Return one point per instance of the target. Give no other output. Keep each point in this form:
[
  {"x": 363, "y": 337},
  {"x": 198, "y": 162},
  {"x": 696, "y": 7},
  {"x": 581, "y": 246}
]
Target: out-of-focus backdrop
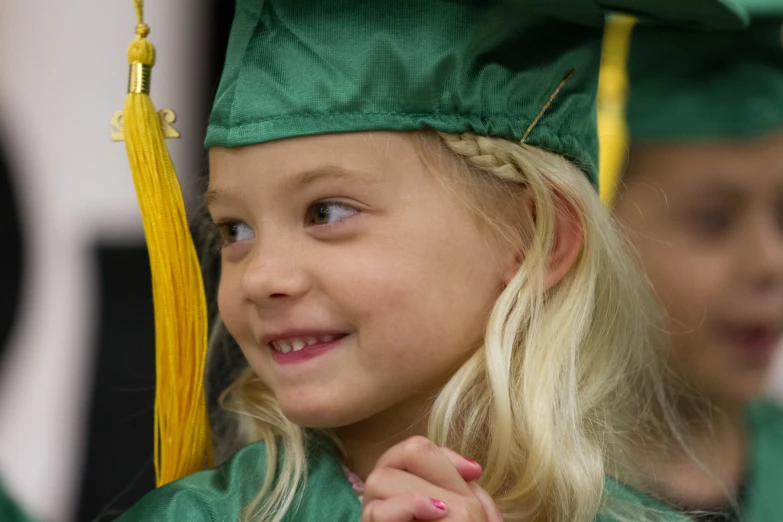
[
  {"x": 76, "y": 337},
  {"x": 76, "y": 332}
]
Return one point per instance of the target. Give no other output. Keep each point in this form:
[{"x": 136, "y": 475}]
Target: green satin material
[
  {"x": 219, "y": 495},
  {"x": 695, "y": 86},
  {"x": 301, "y": 67},
  {"x": 304, "y": 67},
  {"x": 10, "y": 511},
  {"x": 764, "y": 497},
  {"x": 762, "y": 7}
]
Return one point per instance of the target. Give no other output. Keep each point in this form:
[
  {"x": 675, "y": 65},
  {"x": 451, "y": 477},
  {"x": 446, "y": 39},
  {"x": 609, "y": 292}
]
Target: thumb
[{"x": 491, "y": 511}]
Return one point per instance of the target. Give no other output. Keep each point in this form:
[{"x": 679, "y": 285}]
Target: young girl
[
  {"x": 411, "y": 245},
  {"x": 702, "y": 200}
]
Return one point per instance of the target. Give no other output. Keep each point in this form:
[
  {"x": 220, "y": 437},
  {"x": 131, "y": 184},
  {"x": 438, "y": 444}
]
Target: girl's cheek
[{"x": 229, "y": 299}]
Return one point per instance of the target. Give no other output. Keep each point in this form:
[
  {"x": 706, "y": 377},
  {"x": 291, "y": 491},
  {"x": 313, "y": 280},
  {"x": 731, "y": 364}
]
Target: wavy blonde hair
[{"x": 568, "y": 379}]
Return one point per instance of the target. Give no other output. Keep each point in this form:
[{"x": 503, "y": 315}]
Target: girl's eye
[
  {"x": 328, "y": 213},
  {"x": 233, "y": 232},
  {"x": 779, "y": 216},
  {"x": 711, "y": 224}
]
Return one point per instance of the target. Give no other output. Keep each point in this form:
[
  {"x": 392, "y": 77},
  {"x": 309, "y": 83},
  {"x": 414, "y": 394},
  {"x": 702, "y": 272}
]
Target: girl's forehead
[
  {"x": 711, "y": 155},
  {"x": 710, "y": 169},
  {"x": 294, "y": 164},
  {"x": 368, "y": 151}
]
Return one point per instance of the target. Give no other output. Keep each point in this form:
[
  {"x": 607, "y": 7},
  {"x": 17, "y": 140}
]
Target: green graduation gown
[
  {"x": 763, "y": 496},
  {"x": 9, "y": 509},
  {"x": 763, "y": 500},
  {"x": 220, "y": 494}
]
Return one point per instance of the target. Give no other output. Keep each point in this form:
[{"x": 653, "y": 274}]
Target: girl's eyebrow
[
  {"x": 215, "y": 196},
  {"x": 327, "y": 172},
  {"x": 716, "y": 188},
  {"x": 302, "y": 180}
]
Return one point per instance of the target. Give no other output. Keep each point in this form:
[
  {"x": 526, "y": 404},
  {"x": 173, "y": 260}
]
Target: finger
[
  {"x": 469, "y": 470},
  {"x": 386, "y": 483},
  {"x": 420, "y": 457},
  {"x": 404, "y": 508},
  {"x": 491, "y": 511}
]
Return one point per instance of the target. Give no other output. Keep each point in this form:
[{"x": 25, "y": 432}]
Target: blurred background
[
  {"x": 76, "y": 329},
  {"x": 76, "y": 332}
]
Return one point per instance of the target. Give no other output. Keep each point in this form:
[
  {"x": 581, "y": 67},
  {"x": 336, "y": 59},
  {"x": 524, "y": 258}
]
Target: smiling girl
[{"x": 410, "y": 246}]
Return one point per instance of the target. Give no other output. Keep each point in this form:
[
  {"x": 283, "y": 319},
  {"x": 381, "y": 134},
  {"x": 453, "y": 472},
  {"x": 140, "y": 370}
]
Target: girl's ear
[
  {"x": 569, "y": 239},
  {"x": 524, "y": 216}
]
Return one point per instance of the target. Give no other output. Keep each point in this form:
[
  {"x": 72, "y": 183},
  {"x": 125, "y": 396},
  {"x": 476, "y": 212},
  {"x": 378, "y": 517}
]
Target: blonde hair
[{"x": 567, "y": 379}]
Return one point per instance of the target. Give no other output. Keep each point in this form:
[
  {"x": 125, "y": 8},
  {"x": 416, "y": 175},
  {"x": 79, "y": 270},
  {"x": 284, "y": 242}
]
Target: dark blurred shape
[
  {"x": 12, "y": 258},
  {"x": 222, "y": 14},
  {"x": 118, "y": 469},
  {"x": 225, "y": 361}
]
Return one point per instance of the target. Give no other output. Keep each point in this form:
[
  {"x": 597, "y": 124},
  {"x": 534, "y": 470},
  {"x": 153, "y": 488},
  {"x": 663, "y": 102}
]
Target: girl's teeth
[{"x": 297, "y": 344}]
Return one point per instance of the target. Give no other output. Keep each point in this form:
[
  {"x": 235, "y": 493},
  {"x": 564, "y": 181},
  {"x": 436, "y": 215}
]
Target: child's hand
[{"x": 416, "y": 480}]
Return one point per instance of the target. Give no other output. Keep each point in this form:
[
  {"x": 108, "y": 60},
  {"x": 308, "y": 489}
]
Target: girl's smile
[{"x": 301, "y": 346}]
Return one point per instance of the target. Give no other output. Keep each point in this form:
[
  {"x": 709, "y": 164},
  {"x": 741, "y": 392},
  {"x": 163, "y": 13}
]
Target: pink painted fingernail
[
  {"x": 438, "y": 504},
  {"x": 472, "y": 461}
]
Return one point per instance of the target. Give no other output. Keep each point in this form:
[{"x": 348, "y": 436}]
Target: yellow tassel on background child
[{"x": 612, "y": 99}]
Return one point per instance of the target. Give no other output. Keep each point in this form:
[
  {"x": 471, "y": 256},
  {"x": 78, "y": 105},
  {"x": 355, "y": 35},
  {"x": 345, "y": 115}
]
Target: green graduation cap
[
  {"x": 518, "y": 69},
  {"x": 686, "y": 85}
]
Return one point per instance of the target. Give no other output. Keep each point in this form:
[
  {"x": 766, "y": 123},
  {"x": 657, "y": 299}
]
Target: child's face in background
[
  {"x": 707, "y": 220},
  {"x": 348, "y": 242}
]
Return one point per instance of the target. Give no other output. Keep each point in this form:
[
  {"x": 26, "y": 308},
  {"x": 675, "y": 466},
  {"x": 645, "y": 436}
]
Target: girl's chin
[{"x": 321, "y": 418}]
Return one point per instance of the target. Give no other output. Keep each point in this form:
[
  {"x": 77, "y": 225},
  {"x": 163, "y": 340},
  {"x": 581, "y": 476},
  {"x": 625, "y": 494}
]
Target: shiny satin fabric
[
  {"x": 764, "y": 487},
  {"x": 220, "y": 494},
  {"x": 762, "y": 496},
  {"x": 304, "y": 67},
  {"x": 10, "y": 511},
  {"x": 687, "y": 85}
]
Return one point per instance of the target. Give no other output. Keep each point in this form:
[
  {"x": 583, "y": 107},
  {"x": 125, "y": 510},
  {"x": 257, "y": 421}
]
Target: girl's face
[
  {"x": 353, "y": 281},
  {"x": 707, "y": 219}
]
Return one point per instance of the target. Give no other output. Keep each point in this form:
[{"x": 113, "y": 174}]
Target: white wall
[{"x": 63, "y": 72}]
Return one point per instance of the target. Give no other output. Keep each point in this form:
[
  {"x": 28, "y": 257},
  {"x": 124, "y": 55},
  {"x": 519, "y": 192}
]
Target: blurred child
[{"x": 702, "y": 202}]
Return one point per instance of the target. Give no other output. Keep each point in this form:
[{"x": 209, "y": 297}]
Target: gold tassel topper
[{"x": 182, "y": 436}]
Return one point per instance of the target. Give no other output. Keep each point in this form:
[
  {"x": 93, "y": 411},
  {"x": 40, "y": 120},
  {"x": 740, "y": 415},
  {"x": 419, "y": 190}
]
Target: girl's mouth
[
  {"x": 300, "y": 348},
  {"x": 755, "y": 342}
]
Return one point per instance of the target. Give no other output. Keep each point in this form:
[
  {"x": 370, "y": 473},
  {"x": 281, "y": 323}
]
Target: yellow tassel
[
  {"x": 182, "y": 437},
  {"x": 612, "y": 99}
]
